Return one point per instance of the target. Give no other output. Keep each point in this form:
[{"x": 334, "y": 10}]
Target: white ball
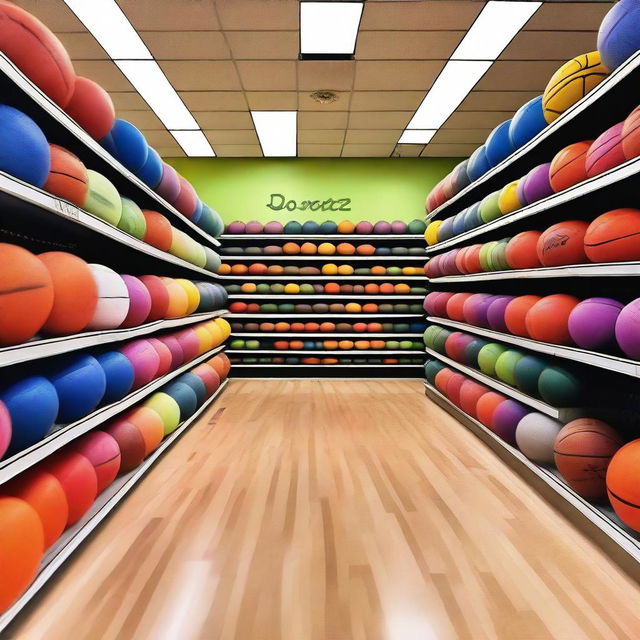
[
  {"x": 113, "y": 299},
  {"x": 535, "y": 435}
]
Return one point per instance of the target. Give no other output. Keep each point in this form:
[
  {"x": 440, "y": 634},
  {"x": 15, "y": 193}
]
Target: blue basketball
[
  {"x": 196, "y": 383},
  {"x": 458, "y": 222},
  {"x": 197, "y": 214},
  {"x": 498, "y": 144},
  {"x": 151, "y": 171},
  {"x": 527, "y": 122},
  {"x": 472, "y": 218},
  {"x": 185, "y": 396},
  {"x": 126, "y": 144},
  {"x": 461, "y": 177},
  {"x": 619, "y": 33},
  {"x": 24, "y": 150},
  {"x": 478, "y": 163},
  {"x": 446, "y": 230},
  {"x": 310, "y": 227},
  {"x": 119, "y": 375},
  {"x": 80, "y": 383},
  {"x": 33, "y": 407}
]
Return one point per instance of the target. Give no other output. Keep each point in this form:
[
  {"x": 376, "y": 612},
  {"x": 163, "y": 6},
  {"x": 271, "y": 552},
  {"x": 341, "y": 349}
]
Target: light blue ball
[{"x": 527, "y": 122}]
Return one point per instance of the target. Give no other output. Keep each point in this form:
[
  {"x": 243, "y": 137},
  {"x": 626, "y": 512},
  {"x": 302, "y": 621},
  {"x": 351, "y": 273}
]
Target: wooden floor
[{"x": 334, "y": 510}]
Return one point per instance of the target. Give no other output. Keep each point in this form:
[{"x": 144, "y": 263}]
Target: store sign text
[{"x": 278, "y": 202}]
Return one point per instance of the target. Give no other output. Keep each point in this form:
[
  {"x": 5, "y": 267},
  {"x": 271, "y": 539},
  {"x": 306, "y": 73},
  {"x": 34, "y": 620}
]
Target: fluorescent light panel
[
  {"x": 416, "y": 136},
  {"x": 494, "y": 29},
  {"x": 194, "y": 143},
  {"x": 329, "y": 28},
  {"x": 277, "y": 132}
]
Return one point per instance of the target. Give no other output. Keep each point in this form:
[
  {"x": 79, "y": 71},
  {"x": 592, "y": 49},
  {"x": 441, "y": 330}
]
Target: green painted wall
[{"x": 379, "y": 188}]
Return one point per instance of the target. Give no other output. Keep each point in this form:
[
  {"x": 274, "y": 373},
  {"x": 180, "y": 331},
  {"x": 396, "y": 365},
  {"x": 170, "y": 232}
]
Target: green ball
[
  {"x": 439, "y": 340},
  {"x": 286, "y": 308},
  {"x": 167, "y": 408},
  {"x": 387, "y": 327},
  {"x": 385, "y": 309},
  {"x": 401, "y": 308},
  {"x": 252, "y": 344},
  {"x": 429, "y": 334},
  {"x": 485, "y": 251},
  {"x": 401, "y": 328},
  {"x": 263, "y": 287},
  {"x": 362, "y": 271},
  {"x": 489, "y": 209},
  {"x": 102, "y": 199},
  {"x": 249, "y": 360},
  {"x": 488, "y": 356},
  {"x": 505, "y": 365},
  {"x": 328, "y": 227},
  {"x": 264, "y": 360},
  {"x": 472, "y": 350},
  {"x": 498, "y": 258},
  {"x": 406, "y": 345},
  {"x": 293, "y": 227},
  {"x": 392, "y": 344},
  {"x": 416, "y": 226},
  {"x": 237, "y": 344},
  {"x": 212, "y": 260},
  {"x": 277, "y": 288},
  {"x": 132, "y": 221},
  {"x": 394, "y": 271},
  {"x": 418, "y": 290},
  {"x": 399, "y": 251},
  {"x": 527, "y": 372},
  {"x": 306, "y": 288},
  {"x": 416, "y": 346},
  {"x": 416, "y": 308},
  {"x": 559, "y": 387},
  {"x": 269, "y": 308},
  {"x": 233, "y": 288}
]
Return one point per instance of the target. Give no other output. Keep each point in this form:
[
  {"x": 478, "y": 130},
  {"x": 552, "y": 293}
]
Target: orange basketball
[
  {"x": 614, "y": 236},
  {"x": 346, "y": 227},
  {"x": 330, "y": 345},
  {"x": 326, "y": 249},
  {"x": 311, "y": 327},
  {"x": 378, "y": 271},
  {"x": 374, "y": 327},
  {"x": 68, "y": 177},
  {"x": 296, "y": 327},
  {"x": 265, "y": 326},
  {"x": 310, "y": 360},
  {"x": 386, "y": 288},
  {"x": 331, "y": 288},
  {"x": 568, "y": 166},
  {"x": 362, "y": 344},
  {"x": 296, "y": 345},
  {"x": 548, "y": 319},
  {"x": 359, "y": 327},
  {"x": 370, "y": 307},
  {"x": 308, "y": 249},
  {"x": 472, "y": 259},
  {"x": 221, "y": 364},
  {"x": 390, "y": 360},
  {"x": 281, "y": 345},
  {"x": 258, "y": 269},
  {"x": 21, "y": 548},
  {"x": 291, "y": 248},
  {"x": 402, "y": 288},
  {"x": 329, "y": 361},
  {"x": 353, "y": 307},
  {"x": 45, "y": 494},
  {"x": 515, "y": 314},
  {"x": 275, "y": 270},
  {"x": 345, "y": 249},
  {"x": 455, "y": 304},
  {"x": 345, "y": 344},
  {"x": 378, "y": 344},
  {"x": 345, "y": 270},
  {"x": 159, "y": 231},
  {"x": 224, "y": 269},
  {"x": 239, "y": 269},
  {"x": 282, "y": 326},
  {"x": 326, "y": 327},
  {"x": 366, "y": 250},
  {"x": 623, "y": 484},
  {"x": 582, "y": 452},
  {"x": 371, "y": 288},
  {"x": 487, "y": 405},
  {"x": 238, "y": 307},
  {"x": 248, "y": 287},
  {"x": 178, "y": 299},
  {"x": 470, "y": 392},
  {"x": 563, "y": 243},
  {"x": 75, "y": 293},
  {"x": 522, "y": 251},
  {"x": 442, "y": 378}
]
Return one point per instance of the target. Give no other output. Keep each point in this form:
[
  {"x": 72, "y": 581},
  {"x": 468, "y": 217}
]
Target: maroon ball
[
  {"x": 506, "y": 418},
  {"x": 456, "y": 344},
  {"x": 440, "y": 304},
  {"x": 169, "y": 187},
  {"x": 429, "y": 302}
]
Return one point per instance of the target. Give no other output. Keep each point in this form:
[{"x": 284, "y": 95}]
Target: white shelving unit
[
  {"x": 253, "y": 278},
  {"x": 338, "y": 237},
  {"x": 275, "y": 335},
  {"x": 321, "y": 352},
  {"x": 318, "y": 296},
  {"x": 315, "y": 258},
  {"x": 295, "y": 316}
]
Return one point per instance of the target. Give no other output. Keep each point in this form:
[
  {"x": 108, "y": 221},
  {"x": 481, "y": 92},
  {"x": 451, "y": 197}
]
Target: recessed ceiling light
[
  {"x": 277, "y": 132},
  {"x": 194, "y": 143},
  {"x": 416, "y": 136},
  {"x": 329, "y": 29}
]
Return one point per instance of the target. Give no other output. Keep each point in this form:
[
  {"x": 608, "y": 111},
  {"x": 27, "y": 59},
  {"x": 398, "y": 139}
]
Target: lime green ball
[
  {"x": 252, "y": 344},
  {"x": 440, "y": 340},
  {"x": 132, "y": 221},
  {"x": 406, "y": 344},
  {"x": 488, "y": 356},
  {"x": 429, "y": 334},
  {"x": 237, "y": 344},
  {"x": 167, "y": 408},
  {"x": 506, "y": 364},
  {"x": 102, "y": 199},
  {"x": 263, "y": 288},
  {"x": 485, "y": 251},
  {"x": 277, "y": 288},
  {"x": 392, "y": 344},
  {"x": 489, "y": 209}
]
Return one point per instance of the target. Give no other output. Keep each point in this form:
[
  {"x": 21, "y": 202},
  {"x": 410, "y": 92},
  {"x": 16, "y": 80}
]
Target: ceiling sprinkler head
[{"x": 324, "y": 97}]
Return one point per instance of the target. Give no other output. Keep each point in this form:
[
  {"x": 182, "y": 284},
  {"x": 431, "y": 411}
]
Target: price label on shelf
[{"x": 67, "y": 209}]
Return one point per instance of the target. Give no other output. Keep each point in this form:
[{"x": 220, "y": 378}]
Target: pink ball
[
  {"x": 456, "y": 344},
  {"x": 169, "y": 187},
  {"x": 187, "y": 200},
  {"x": 364, "y": 227},
  {"x": 5, "y": 429},
  {"x": 382, "y": 227},
  {"x": 139, "y": 302},
  {"x": 273, "y": 227},
  {"x": 398, "y": 227},
  {"x": 495, "y": 313},
  {"x": 103, "y": 452},
  {"x": 236, "y": 227},
  {"x": 628, "y": 329},
  {"x": 145, "y": 361},
  {"x": 177, "y": 356},
  {"x": 440, "y": 304},
  {"x": 449, "y": 267},
  {"x": 429, "y": 302},
  {"x": 606, "y": 151},
  {"x": 189, "y": 342},
  {"x": 592, "y": 323},
  {"x": 475, "y": 309},
  {"x": 254, "y": 226},
  {"x": 164, "y": 354},
  {"x": 432, "y": 267},
  {"x": 536, "y": 185}
]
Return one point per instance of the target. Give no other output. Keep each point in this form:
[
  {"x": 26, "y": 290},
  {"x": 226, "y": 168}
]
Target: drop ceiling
[{"x": 227, "y": 57}]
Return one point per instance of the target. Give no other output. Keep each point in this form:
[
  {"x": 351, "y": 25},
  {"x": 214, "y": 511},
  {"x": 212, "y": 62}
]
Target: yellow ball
[
  {"x": 181, "y": 245},
  {"x": 224, "y": 326},
  {"x": 329, "y": 269},
  {"x": 193, "y": 295},
  {"x": 431, "y": 233},
  {"x": 205, "y": 337},
  {"x": 508, "y": 199},
  {"x": 570, "y": 82},
  {"x": 167, "y": 408},
  {"x": 216, "y": 332},
  {"x": 291, "y": 288},
  {"x": 345, "y": 270}
]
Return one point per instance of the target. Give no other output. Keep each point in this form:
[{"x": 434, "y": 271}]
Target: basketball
[
  {"x": 472, "y": 217},
  {"x": 151, "y": 171},
  {"x": 169, "y": 185},
  {"x": 127, "y": 145},
  {"x": 623, "y": 488},
  {"x": 626, "y": 329},
  {"x": 164, "y": 355},
  {"x": 527, "y": 122},
  {"x": 21, "y": 546},
  {"x": 606, "y": 151},
  {"x": 91, "y": 107},
  {"x": 113, "y": 299},
  {"x": 456, "y": 346},
  {"x": 442, "y": 379},
  {"x": 559, "y": 387},
  {"x": 184, "y": 396},
  {"x": 563, "y": 244},
  {"x": 103, "y": 199},
  {"x": 614, "y": 236},
  {"x": 158, "y": 230},
  {"x": 592, "y": 323},
  {"x": 487, "y": 405},
  {"x": 193, "y": 295},
  {"x": 67, "y": 177},
  {"x": 130, "y": 442},
  {"x": 149, "y": 424},
  {"x": 103, "y": 452},
  {"x": 455, "y": 306},
  {"x": 189, "y": 343},
  {"x": 508, "y": 200},
  {"x": 535, "y": 436},
  {"x": 197, "y": 385},
  {"x": 139, "y": 302},
  {"x": 119, "y": 375},
  {"x": 37, "y": 52},
  {"x": 582, "y": 452},
  {"x": 78, "y": 479},
  {"x": 431, "y": 369},
  {"x": 568, "y": 166},
  {"x": 535, "y": 185},
  {"x": 495, "y": 313},
  {"x": 364, "y": 227},
  {"x": 506, "y": 418},
  {"x": 145, "y": 361},
  {"x": 132, "y": 219},
  {"x": 618, "y": 36},
  {"x": 470, "y": 392},
  {"x": 515, "y": 314},
  {"x": 548, "y": 319},
  {"x": 159, "y": 297},
  {"x": 498, "y": 145},
  {"x": 631, "y": 135},
  {"x": 177, "y": 356}
]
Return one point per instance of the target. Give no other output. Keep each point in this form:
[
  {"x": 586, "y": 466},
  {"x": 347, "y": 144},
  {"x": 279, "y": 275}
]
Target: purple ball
[
  {"x": 364, "y": 227},
  {"x": 628, "y": 329},
  {"x": 495, "y": 313},
  {"x": 169, "y": 187},
  {"x": 382, "y": 227},
  {"x": 476, "y": 307},
  {"x": 236, "y": 227},
  {"x": 253, "y": 226},
  {"x": 145, "y": 361},
  {"x": 139, "y": 302},
  {"x": 592, "y": 323},
  {"x": 177, "y": 355},
  {"x": 506, "y": 418},
  {"x": 536, "y": 185},
  {"x": 273, "y": 227},
  {"x": 398, "y": 227},
  {"x": 435, "y": 268},
  {"x": 429, "y": 301},
  {"x": 449, "y": 263}
]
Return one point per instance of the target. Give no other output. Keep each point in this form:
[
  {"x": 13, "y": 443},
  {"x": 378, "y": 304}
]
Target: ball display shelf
[
  {"x": 575, "y": 354},
  {"x": 19, "y": 462},
  {"x": 302, "y": 296},
  {"x": 46, "y": 347},
  {"x": 327, "y": 335},
  {"x": 605, "y": 105},
  {"x": 249, "y": 277},
  {"x": 18, "y": 91},
  {"x": 23, "y": 206},
  {"x": 104, "y": 504},
  {"x": 598, "y": 521},
  {"x": 593, "y": 196},
  {"x": 322, "y": 352},
  {"x": 315, "y": 258},
  {"x": 294, "y": 316},
  {"x": 563, "y": 414},
  {"x": 229, "y": 237}
]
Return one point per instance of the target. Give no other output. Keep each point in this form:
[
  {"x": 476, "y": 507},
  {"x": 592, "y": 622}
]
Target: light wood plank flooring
[{"x": 313, "y": 510}]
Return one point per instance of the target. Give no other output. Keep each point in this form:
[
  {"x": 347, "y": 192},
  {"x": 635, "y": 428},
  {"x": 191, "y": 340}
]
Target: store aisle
[{"x": 334, "y": 509}]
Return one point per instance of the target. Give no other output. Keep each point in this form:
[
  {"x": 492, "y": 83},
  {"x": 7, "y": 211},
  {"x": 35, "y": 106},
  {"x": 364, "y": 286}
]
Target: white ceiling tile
[
  {"x": 168, "y": 15},
  {"x": 267, "y": 75},
  {"x": 214, "y": 100},
  {"x": 258, "y": 15},
  {"x": 264, "y": 45},
  {"x": 201, "y": 75},
  {"x": 367, "y": 150},
  {"x": 314, "y": 75},
  {"x": 396, "y": 74},
  {"x": 272, "y": 100},
  {"x": 186, "y": 45},
  {"x": 319, "y": 150}
]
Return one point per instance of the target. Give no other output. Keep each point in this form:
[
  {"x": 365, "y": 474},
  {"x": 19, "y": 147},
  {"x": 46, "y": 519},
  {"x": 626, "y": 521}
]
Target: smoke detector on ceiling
[{"x": 324, "y": 97}]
